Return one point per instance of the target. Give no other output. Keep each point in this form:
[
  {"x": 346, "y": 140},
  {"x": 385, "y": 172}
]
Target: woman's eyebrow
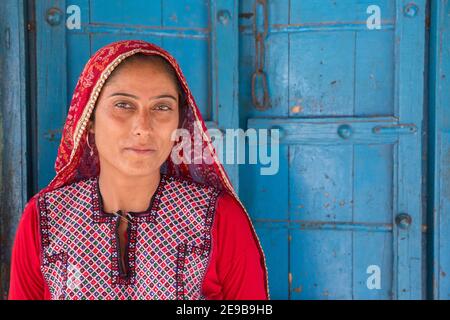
[
  {"x": 136, "y": 97},
  {"x": 164, "y": 96},
  {"x": 124, "y": 94}
]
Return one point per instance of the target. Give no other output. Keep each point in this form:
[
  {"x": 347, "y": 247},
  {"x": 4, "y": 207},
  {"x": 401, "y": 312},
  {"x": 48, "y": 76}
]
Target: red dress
[{"x": 235, "y": 272}]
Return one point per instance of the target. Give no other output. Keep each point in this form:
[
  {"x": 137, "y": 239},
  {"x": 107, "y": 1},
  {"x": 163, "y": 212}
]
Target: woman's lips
[{"x": 141, "y": 151}]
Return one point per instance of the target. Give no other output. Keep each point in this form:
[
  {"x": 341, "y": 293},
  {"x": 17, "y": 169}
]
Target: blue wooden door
[
  {"x": 201, "y": 34},
  {"x": 342, "y": 218}
]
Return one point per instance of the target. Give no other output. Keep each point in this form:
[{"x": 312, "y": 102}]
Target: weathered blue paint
[
  {"x": 349, "y": 104},
  {"x": 439, "y": 151},
  {"x": 409, "y": 262},
  {"x": 13, "y": 128},
  {"x": 326, "y": 130},
  {"x": 224, "y": 71},
  {"x": 51, "y": 82}
]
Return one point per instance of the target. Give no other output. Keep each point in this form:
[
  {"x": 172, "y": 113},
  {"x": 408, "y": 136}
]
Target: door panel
[{"x": 350, "y": 138}]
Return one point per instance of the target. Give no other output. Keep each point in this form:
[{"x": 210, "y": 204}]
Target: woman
[{"x": 122, "y": 219}]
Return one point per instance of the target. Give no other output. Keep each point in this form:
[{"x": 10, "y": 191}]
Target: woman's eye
[
  {"x": 163, "y": 107},
  {"x": 122, "y": 105}
]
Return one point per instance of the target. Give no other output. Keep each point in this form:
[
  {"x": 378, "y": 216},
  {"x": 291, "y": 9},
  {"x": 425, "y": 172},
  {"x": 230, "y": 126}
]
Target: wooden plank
[
  {"x": 409, "y": 264},
  {"x": 372, "y": 251},
  {"x": 325, "y": 12},
  {"x": 266, "y": 201},
  {"x": 336, "y": 130},
  {"x": 322, "y": 77},
  {"x": 13, "y": 129},
  {"x": 321, "y": 262},
  {"x": 51, "y": 89},
  {"x": 439, "y": 152},
  {"x": 224, "y": 71},
  {"x": 373, "y": 193},
  {"x": 136, "y": 12},
  {"x": 320, "y": 183},
  {"x": 374, "y": 73}
]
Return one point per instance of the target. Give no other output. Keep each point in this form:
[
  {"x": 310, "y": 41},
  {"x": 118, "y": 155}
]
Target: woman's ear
[{"x": 90, "y": 126}]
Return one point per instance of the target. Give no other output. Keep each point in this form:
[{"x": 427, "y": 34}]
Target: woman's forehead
[
  {"x": 140, "y": 68},
  {"x": 152, "y": 70},
  {"x": 144, "y": 76}
]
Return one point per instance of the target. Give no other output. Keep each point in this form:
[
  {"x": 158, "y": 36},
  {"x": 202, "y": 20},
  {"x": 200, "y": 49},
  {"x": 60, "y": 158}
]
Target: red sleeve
[
  {"x": 236, "y": 270},
  {"x": 27, "y": 282}
]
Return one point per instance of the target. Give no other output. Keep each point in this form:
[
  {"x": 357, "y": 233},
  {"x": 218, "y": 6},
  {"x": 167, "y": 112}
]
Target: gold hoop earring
[{"x": 87, "y": 142}]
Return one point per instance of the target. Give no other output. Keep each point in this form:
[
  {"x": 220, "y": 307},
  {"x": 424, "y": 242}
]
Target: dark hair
[{"x": 143, "y": 58}]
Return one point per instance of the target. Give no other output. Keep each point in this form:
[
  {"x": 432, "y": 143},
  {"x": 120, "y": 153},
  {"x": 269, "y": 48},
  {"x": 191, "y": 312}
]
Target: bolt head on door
[
  {"x": 54, "y": 16},
  {"x": 403, "y": 220}
]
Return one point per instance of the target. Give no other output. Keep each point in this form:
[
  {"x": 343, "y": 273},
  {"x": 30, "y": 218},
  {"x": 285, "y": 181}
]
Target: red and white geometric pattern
[{"x": 169, "y": 245}]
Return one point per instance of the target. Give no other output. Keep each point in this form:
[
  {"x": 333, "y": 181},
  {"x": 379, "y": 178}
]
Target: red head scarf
[{"x": 73, "y": 161}]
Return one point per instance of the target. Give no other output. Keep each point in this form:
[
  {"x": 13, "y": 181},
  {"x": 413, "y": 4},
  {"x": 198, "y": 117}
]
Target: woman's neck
[{"x": 127, "y": 193}]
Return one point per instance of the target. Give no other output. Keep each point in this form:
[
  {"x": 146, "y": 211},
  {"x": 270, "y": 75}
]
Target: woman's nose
[{"x": 143, "y": 124}]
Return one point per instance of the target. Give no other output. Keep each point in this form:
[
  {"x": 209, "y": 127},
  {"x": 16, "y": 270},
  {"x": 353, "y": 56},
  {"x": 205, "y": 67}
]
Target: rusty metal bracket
[{"x": 259, "y": 77}]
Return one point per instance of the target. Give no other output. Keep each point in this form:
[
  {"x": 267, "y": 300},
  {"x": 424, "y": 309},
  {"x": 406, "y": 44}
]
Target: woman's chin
[
  {"x": 136, "y": 166},
  {"x": 139, "y": 171},
  {"x": 139, "y": 168}
]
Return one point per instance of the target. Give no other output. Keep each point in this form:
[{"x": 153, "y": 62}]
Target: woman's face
[{"x": 136, "y": 113}]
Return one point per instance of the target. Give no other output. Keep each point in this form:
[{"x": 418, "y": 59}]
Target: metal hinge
[
  {"x": 31, "y": 26},
  {"x": 395, "y": 129}
]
